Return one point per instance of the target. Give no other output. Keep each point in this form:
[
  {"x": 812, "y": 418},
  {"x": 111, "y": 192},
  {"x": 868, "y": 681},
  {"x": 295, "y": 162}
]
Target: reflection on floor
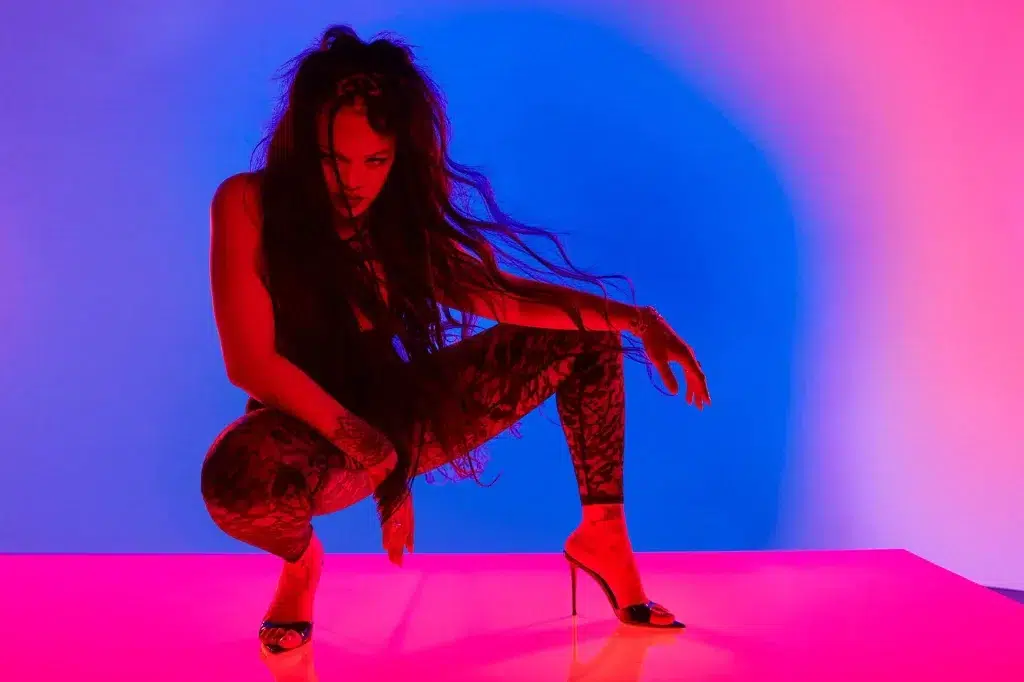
[{"x": 823, "y": 616}]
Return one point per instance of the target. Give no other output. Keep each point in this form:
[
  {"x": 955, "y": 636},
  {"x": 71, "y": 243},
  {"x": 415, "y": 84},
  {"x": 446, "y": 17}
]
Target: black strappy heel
[
  {"x": 303, "y": 628},
  {"x": 635, "y": 614}
]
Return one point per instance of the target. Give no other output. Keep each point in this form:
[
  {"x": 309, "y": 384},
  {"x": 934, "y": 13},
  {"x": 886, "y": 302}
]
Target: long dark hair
[{"x": 422, "y": 228}]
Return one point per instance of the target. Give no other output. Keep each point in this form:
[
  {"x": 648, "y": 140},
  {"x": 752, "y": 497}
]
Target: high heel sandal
[
  {"x": 634, "y": 614},
  {"x": 303, "y": 629}
]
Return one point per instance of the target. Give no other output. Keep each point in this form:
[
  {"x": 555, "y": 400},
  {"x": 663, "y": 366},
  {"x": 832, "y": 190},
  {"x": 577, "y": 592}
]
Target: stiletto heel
[
  {"x": 304, "y": 629},
  {"x": 572, "y": 573},
  {"x": 635, "y": 614}
]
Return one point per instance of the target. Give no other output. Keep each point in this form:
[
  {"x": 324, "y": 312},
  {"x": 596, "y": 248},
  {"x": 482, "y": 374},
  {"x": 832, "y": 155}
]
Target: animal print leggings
[{"x": 267, "y": 475}]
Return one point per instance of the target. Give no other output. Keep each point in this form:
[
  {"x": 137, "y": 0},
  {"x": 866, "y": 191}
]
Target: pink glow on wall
[{"x": 898, "y": 128}]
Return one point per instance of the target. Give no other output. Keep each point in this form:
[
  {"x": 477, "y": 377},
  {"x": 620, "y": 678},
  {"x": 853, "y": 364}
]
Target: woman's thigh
[
  {"x": 269, "y": 461},
  {"x": 499, "y": 376}
]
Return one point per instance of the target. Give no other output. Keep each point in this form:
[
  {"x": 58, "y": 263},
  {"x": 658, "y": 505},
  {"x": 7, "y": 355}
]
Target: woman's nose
[{"x": 349, "y": 180}]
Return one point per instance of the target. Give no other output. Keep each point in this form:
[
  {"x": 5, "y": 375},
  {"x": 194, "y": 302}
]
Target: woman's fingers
[
  {"x": 667, "y": 376},
  {"x": 664, "y": 347},
  {"x": 394, "y": 546},
  {"x": 660, "y": 357},
  {"x": 398, "y": 534}
]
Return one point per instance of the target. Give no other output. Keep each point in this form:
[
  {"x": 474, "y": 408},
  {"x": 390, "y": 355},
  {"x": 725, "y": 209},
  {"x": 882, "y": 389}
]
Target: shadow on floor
[{"x": 1015, "y": 595}]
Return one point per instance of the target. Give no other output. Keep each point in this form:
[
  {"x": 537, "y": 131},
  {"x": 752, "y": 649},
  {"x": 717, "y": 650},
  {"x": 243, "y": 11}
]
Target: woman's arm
[
  {"x": 245, "y": 324},
  {"x": 597, "y": 313}
]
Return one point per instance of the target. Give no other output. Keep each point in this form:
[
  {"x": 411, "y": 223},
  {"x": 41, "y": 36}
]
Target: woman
[{"x": 338, "y": 270}]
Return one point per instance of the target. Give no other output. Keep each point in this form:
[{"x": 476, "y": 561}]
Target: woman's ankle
[
  {"x": 603, "y": 513},
  {"x": 308, "y": 566}
]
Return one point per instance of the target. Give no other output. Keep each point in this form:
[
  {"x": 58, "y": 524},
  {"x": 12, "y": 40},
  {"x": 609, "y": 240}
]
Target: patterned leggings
[{"x": 268, "y": 474}]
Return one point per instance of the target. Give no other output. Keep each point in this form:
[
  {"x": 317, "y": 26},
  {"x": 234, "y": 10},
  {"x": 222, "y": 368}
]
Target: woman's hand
[
  {"x": 398, "y": 531},
  {"x": 663, "y": 346},
  {"x": 380, "y": 459},
  {"x": 381, "y": 469}
]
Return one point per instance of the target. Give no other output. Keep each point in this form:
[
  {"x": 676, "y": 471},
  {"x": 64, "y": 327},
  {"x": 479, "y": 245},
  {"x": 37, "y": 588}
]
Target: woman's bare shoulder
[
  {"x": 238, "y": 186},
  {"x": 238, "y": 196}
]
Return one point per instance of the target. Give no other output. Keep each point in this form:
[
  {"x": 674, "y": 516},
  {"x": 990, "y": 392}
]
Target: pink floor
[{"x": 822, "y": 616}]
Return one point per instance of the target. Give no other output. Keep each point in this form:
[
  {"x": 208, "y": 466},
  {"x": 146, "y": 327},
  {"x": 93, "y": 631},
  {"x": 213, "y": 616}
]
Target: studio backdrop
[{"x": 824, "y": 198}]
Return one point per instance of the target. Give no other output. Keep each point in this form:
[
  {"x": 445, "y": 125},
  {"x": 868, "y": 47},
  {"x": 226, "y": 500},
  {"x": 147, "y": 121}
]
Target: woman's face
[{"x": 356, "y": 155}]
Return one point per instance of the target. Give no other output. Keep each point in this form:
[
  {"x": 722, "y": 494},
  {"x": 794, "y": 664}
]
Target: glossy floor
[{"x": 867, "y": 615}]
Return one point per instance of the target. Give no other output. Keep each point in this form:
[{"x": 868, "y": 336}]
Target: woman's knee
[
  {"x": 260, "y": 480},
  {"x": 252, "y": 464},
  {"x": 602, "y": 346}
]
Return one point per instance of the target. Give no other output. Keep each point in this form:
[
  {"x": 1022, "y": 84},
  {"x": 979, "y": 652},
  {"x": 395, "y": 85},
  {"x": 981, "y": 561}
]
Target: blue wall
[{"x": 114, "y": 387}]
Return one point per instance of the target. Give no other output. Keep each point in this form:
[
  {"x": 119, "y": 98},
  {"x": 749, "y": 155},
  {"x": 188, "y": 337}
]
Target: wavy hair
[{"x": 422, "y": 228}]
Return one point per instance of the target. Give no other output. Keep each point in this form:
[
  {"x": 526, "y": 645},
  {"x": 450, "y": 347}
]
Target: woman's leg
[
  {"x": 269, "y": 474},
  {"x": 260, "y": 478},
  {"x": 261, "y": 482},
  {"x": 506, "y": 372}
]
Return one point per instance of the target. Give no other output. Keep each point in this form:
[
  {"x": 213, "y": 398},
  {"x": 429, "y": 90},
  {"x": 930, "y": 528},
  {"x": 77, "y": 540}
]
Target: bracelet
[{"x": 641, "y": 322}]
